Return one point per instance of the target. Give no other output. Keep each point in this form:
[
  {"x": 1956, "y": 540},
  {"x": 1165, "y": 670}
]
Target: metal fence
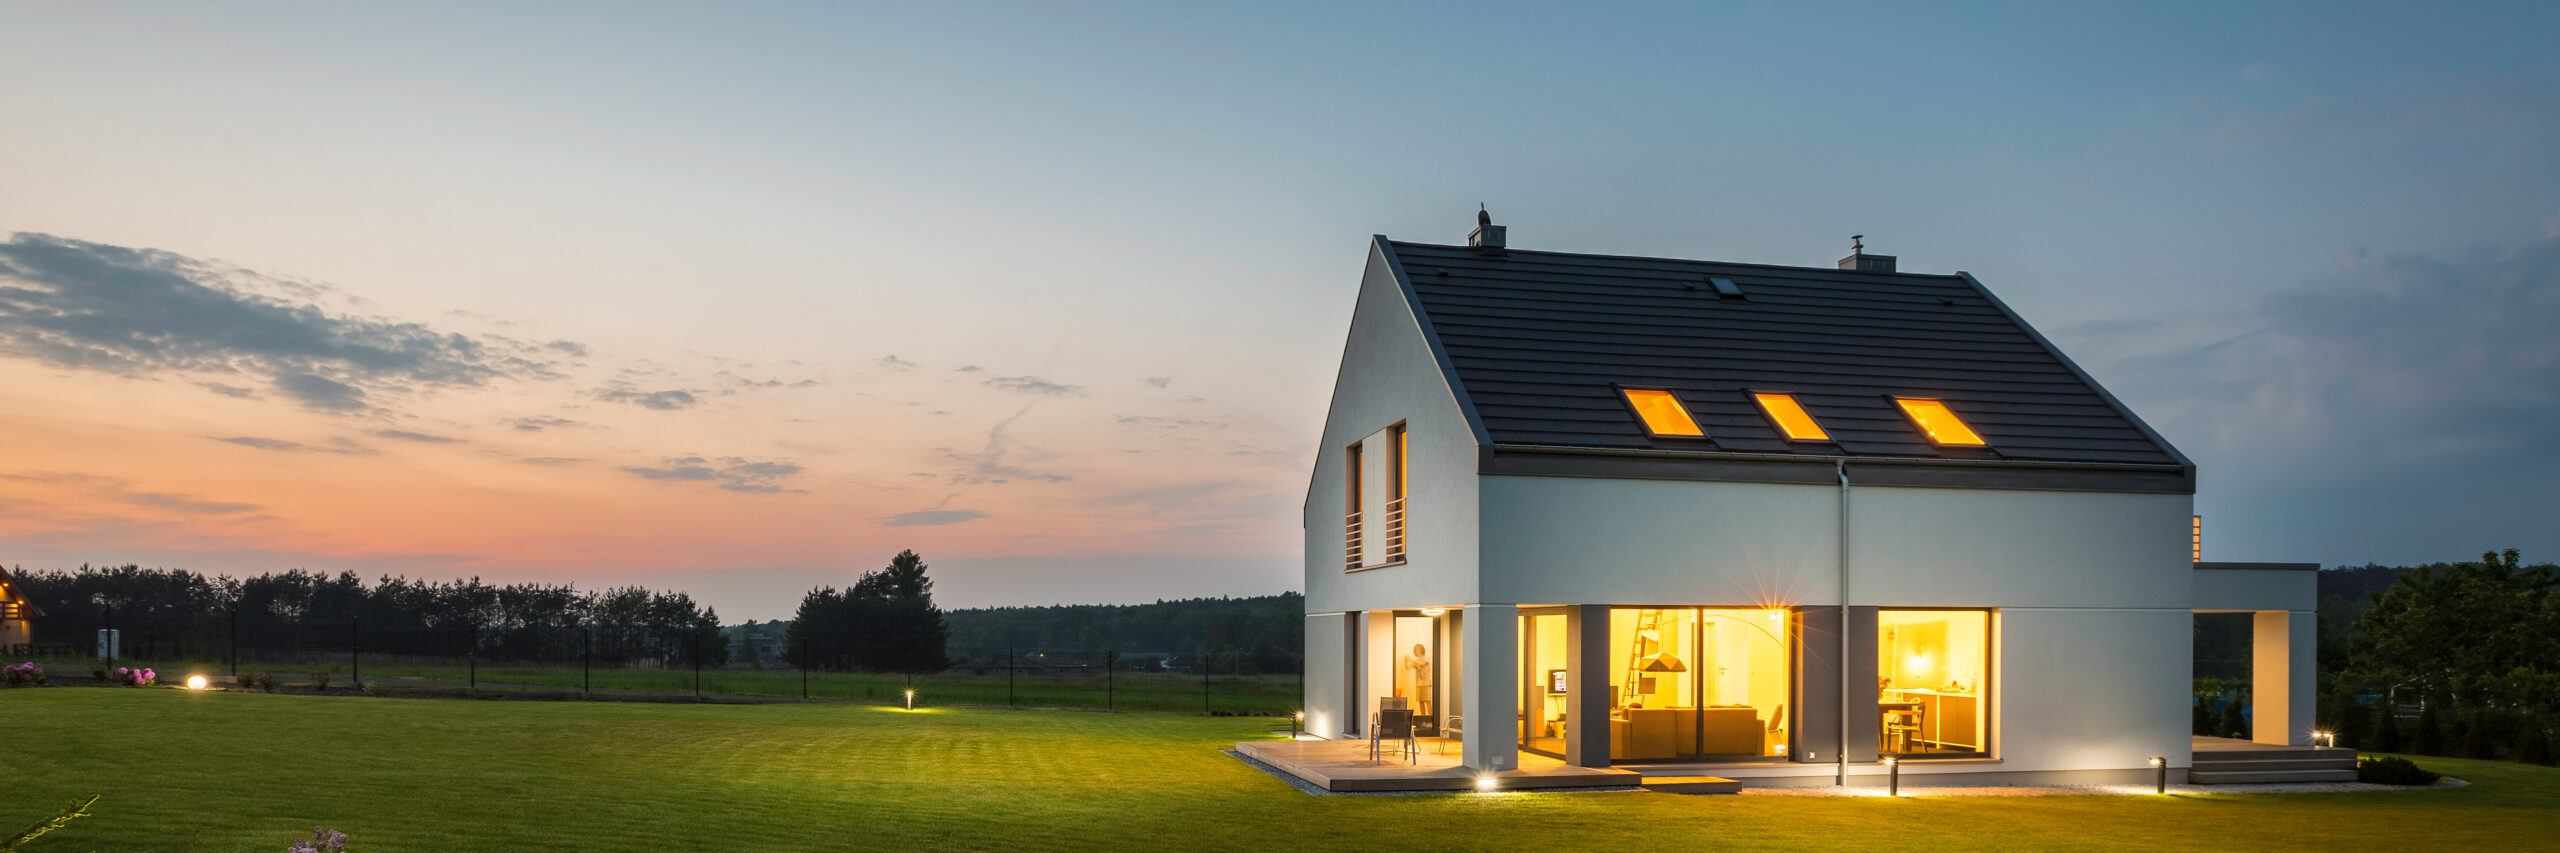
[{"x": 627, "y": 663}]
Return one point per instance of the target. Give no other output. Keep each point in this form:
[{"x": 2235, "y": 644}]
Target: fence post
[
  {"x": 355, "y": 652},
  {"x": 1009, "y": 701},
  {"x": 235, "y": 643},
  {"x": 1205, "y": 710},
  {"x": 587, "y": 660},
  {"x": 471, "y": 648},
  {"x": 697, "y": 664},
  {"x": 1110, "y": 687},
  {"x": 804, "y": 666}
]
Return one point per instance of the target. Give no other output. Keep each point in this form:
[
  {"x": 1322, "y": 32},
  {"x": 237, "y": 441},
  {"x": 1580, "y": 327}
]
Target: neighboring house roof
[
  {"x": 1539, "y": 344},
  {"x": 10, "y": 586}
]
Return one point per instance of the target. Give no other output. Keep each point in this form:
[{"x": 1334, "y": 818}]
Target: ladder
[{"x": 1647, "y": 620}]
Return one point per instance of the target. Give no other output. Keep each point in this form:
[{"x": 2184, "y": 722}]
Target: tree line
[
  {"x": 885, "y": 622},
  {"x": 1268, "y": 632},
  {"x": 177, "y": 611},
  {"x": 2459, "y": 659}
]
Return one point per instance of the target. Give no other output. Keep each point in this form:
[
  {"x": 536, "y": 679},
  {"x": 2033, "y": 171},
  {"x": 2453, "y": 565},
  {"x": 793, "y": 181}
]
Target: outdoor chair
[{"x": 1391, "y": 729}]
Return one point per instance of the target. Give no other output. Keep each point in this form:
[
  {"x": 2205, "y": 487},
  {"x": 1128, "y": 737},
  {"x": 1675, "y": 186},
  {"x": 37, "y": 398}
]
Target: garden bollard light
[
  {"x": 2160, "y": 782},
  {"x": 1296, "y": 722},
  {"x": 1893, "y": 777},
  {"x": 911, "y": 699}
]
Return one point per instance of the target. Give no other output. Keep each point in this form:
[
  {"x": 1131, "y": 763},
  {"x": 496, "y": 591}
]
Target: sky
[{"x": 743, "y": 300}]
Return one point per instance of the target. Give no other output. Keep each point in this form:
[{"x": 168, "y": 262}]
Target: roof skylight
[
  {"x": 1790, "y": 417},
  {"x": 1939, "y": 422},
  {"x": 1662, "y": 413}
]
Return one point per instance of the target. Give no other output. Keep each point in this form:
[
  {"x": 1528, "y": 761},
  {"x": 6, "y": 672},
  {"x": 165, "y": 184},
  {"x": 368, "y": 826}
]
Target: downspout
[{"x": 1840, "y": 776}]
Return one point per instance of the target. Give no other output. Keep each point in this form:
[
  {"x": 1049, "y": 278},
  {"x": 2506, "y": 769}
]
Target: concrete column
[
  {"x": 1491, "y": 645},
  {"x": 1816, "y": 730},
  {"x": 2283, "y": 654},
  {"x": 1587, "y": 685}
]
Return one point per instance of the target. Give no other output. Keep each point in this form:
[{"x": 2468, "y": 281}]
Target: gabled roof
[
  {"x": 19, "y": 595},
  {"x": 1539, "y": 343}
]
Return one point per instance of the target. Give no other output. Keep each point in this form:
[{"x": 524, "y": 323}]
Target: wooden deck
[{"x": 1343, "y": 765}]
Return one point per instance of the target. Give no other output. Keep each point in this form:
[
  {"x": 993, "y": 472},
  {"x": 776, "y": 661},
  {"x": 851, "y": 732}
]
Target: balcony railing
[
  {"x": 1351, "y": 541},
  {"x": 1395, "y": 530}
]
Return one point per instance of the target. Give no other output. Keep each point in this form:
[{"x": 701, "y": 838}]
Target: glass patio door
[{"x": 1545, "y": 678}]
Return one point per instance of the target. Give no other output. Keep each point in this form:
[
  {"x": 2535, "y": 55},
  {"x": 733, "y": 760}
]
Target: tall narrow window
[
  {"x": 1351, "y": 509},
  {"x": 1790, "y": 417},
  {"x": 2196, "y": 542},
  {"x": 1939, "y": 422},
  {"x": 1396, "y": 469},
  {"x": 1662, "y": 413}
]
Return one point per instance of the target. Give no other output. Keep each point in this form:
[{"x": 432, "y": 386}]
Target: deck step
[
  {"x": 2298, "y": 753},
  {"x": 1692, "y": 785},
  {"x": 2342, "y": 763},
  {"x": 2245, "y": 777}
]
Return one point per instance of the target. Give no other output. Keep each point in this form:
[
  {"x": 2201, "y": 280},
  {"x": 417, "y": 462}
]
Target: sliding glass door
[{"x": 1698, "y": 684}]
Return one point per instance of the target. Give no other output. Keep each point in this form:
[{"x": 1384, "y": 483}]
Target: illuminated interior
[
  {"x": 1662, "y": 412},
  {"x": 1938, "y": 421},
  {"x": 1418, "y": 670},
  {"x": 1697, "y": 683},
  {"x": 1933, "y": 670},
  {"x": 1543, "y": 721},
  {"x": 1790, "y": 417}
]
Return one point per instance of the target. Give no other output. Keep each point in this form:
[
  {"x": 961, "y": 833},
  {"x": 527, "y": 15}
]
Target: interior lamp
[{"x": 1661, "y": 662}]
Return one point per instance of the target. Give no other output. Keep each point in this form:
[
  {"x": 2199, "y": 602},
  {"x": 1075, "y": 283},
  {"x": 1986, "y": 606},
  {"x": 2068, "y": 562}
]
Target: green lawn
[{"x": 220, "y": 771}]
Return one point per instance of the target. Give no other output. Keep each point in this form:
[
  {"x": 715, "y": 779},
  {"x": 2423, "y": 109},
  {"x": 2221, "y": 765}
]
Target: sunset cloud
[
  {"x": 1032, "y": 385},
  {"x": 730, "y": 473},
  {"x": 932, "y": 517},
  {"x": 144, "y": 312},
  {"x": 624, "y": 392}
]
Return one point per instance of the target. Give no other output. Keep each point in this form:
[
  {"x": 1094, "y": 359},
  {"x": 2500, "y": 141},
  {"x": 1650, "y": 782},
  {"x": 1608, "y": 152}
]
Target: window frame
[
  {"x": 1628, "y": 402},
  {"x": 1985, "y": 693}
]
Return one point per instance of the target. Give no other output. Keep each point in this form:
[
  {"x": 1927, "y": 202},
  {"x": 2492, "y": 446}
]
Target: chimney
[
  {"x": 1859, "y": 260},
  {"x": 1487, "y": 235}
]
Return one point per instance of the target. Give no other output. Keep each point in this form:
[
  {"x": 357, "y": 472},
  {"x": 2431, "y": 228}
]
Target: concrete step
[
  {"x": 1691, "y": 785},
  {"x": 2344, "y": 763},
  {"x": 2245, "y": 777},
  {"x": 2219, "y": 756}
]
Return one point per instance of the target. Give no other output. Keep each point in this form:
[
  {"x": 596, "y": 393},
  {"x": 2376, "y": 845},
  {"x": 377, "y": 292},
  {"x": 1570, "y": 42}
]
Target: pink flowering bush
[
  {"x": 135, "y": 676},
  {"x": 322, "y": 840},
  {"x": 28, "y": 674}
]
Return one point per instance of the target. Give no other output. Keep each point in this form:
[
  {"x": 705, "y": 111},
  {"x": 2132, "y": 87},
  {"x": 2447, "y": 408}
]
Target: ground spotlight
[{"x": 196, "y": 682}]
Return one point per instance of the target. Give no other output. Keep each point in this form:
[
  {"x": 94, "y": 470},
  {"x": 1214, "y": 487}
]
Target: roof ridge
[{"x": 1515, "y": 253}]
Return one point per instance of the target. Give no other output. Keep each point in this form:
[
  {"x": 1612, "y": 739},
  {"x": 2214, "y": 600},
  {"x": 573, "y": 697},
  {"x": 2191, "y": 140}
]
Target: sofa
[{"x": 1636, "y": 734}]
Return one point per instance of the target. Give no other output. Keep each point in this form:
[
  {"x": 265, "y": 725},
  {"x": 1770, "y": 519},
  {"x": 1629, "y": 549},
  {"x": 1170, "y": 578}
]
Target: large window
[
  {"x": 1933, "y": 670},
  {"x": 1547, "y": 682},
  {"x": 1697, "y": 683}
]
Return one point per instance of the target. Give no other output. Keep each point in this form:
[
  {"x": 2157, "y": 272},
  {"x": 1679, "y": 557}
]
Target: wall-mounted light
[{"x": 1434, "y": 611}]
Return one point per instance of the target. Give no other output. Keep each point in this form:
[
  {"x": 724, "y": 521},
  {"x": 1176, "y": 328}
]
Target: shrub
[
  {"x": 2534, "y": 745},
  {"x": 2234, "y": 723},
  {"x": 28, "y": 674},
  {"x": 130, "y": 676},
  {"x": 320, "y": 681},
  {"x": 265, "y": 681},
  {"x": 2386, "y": 736},
  {"x": 2393, "y": 770},
  {"x": 322, "y": 840}
]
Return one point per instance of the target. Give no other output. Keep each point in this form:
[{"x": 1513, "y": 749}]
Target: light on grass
[
  {"x": 911, "y": 699},
  {"x": 196, "y": 682}
]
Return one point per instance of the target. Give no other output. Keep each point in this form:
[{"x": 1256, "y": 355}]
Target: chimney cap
[
  {"x": 1487, "y": 235},
  {"x": 1860, "y": 261}
]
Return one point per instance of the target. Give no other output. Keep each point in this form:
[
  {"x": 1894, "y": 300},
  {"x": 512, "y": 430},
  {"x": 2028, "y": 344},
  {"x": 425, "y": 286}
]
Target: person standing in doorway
[{"x": 1418, "y": 673}]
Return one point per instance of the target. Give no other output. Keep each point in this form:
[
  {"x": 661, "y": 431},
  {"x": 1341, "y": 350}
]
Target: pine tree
[
  {"x": 2386, "y": 736},
  {"x": 2430, "y": 737},
  {"x": 2234, "y": 722},
  {"x": 2476, "y": 742},
  {"x": 2533, "y": 746}
]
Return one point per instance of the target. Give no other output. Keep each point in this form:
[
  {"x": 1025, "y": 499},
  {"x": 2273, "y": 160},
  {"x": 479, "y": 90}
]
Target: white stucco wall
[
  {"x": 2256, "y": 589},
  {"x": 1389, "y": 375},
  {"x": 2093, "y": 590}
]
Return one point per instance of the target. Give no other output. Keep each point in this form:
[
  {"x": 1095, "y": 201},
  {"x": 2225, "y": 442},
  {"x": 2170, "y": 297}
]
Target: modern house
[{"x": 1775, "y": 523}]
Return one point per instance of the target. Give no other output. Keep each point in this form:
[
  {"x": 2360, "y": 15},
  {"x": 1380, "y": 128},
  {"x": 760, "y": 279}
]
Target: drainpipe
[{"x": 1840, "y": 754}]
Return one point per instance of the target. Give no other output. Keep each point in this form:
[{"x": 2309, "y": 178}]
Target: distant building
[{"x": 17, "y": 616}]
